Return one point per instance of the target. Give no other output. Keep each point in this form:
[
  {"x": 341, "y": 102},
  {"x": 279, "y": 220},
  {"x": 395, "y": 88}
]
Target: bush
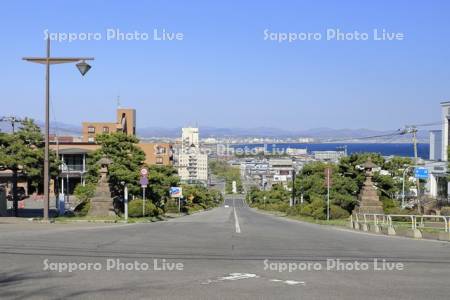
[
  {"x": 295, "y": 210},
  {"x": 135, "y": 209},
  {"x": 82, "y": 209},
  {"x": 337, "y": 212},
  {"x": 84, "y": 193},
  {"x": 445, "y": 211},
  {"x": 388, "y": 204},
  {"x": 193, "y": 208}
]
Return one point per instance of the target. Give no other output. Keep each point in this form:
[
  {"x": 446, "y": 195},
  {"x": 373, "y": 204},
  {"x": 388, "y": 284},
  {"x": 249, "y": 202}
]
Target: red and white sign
[{"x": 144, "y": 172}]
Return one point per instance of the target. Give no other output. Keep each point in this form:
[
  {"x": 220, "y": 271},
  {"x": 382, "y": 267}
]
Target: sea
[{"x": 384, "y": 149}]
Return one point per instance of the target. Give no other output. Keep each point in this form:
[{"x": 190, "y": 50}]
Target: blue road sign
[
  {"x": 421, "y": 173},
  {"x": 143, "y": 181},
  {"x": 176, "y": 192}
]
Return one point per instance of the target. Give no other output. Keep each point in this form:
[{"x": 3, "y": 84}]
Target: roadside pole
[
  {"x": 143, "y": 201},
  {"x": 125, "y": 200},
  {"x": 144, "y": 182},
  {"x": 328, "y": 196},
  {"x": 328, "y": 183}
]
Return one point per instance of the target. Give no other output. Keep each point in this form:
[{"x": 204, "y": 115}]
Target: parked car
[{"x": 21, "y": 194}]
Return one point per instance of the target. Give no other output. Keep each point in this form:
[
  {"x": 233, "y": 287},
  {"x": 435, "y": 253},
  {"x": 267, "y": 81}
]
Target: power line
[{"x": 12, "y": 120}]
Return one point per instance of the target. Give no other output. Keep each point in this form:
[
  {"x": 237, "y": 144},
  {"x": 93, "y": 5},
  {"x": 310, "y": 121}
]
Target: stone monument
[
  {"x": 369, "y": 201},
  {"x": 102, "y": 203}
]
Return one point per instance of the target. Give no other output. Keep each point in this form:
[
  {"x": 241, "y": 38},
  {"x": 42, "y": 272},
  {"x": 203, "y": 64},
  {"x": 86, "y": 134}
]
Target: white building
[
  {"x": 192, "y": 163},
  {"x": 296, "y": 152},
  {"x": 436, "y": 145}
]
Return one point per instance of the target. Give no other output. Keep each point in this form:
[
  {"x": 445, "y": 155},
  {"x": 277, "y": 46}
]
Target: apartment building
[
  {"x": 125, "y": 122},
  {"x": 192, "y": 163}
]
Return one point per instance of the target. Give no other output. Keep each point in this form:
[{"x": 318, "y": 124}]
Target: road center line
[{"x": 236, "y": 220}]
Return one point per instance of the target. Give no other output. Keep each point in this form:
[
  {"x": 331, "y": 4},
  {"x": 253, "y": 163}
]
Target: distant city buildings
[
  {"x": 331, "y": 156},
  {"x": 192, "y": 163}
]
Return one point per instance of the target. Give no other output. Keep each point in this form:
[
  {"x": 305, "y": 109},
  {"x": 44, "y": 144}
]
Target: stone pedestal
[
  {"x": 369, "y": 202},
  {"x": 102, "y": 203}
]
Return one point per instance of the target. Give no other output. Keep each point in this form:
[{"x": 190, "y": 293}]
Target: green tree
[
  {"x": 127, "y": 159},
  {"x": 160, "y": 179},
  {"x": 22, "y": 152},
  {"x": 223, "y": 170}
]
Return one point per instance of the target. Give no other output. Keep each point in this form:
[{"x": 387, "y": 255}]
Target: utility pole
[
  {"x": 13, "y": 120},
  {"x": 47, "y": 60},
  {"x": 413, "y": 130},
  {"x": 293, "y": 186}
]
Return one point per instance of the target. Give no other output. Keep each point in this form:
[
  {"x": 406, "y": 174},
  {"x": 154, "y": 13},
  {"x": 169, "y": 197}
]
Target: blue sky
[{"x": 223, "y": 73}]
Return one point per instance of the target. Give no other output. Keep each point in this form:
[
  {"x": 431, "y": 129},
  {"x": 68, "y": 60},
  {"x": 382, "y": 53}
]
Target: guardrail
[{"x": 414, "y": 221}]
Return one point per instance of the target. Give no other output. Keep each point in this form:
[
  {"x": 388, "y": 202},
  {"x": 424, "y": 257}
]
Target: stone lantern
[
  {"x": 102, "y": 203},
  {"x": 368, "y": 199}
]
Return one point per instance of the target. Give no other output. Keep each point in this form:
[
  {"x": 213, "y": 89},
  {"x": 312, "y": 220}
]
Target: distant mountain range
[{"x": 324, "y": 134}]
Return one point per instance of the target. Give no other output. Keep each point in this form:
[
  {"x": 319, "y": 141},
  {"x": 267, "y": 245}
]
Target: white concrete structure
[
  {"x": 192, "y": 163},
  {"x": 445, "y": 106},
  {"x": 436, "y": 145}
]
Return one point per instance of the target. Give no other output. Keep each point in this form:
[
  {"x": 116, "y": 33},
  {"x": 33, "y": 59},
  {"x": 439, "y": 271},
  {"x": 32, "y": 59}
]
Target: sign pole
[
  {"x": 143, "y": 201},
  {"x": 126, "y": 203}
]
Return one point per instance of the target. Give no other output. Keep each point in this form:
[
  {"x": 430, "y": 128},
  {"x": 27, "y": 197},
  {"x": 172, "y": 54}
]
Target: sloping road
[{"x": 231, "y": 252}]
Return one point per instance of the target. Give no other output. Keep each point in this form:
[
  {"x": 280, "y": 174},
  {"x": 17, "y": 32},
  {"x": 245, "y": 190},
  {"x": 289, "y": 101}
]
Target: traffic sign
[
  {"x": 421, "y": 173},
  {"x": 143, "y": 181},
  {"x": 144, "y": 172},
  {"x": 176, "y": 192}
]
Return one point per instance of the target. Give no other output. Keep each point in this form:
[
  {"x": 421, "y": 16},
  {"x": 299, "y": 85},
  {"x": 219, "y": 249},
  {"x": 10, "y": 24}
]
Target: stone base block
[
  {"x": 414, "y": 233},
  {"x": 375, "y": 228},
  {"x": 391, "y": 231},
  {"x": 444, "y": 236}
]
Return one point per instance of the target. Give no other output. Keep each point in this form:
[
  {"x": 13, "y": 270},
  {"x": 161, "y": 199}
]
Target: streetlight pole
[
  {"x": 293, "y": 187},
  {"x": 83, "y": 67}
]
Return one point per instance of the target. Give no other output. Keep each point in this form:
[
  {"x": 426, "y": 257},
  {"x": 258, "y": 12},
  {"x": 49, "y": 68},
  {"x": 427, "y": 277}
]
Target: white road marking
[
  {"x": 292, "y": 282},
  {"x": 232, "y": 277},
  {"x": 240, "y": 276},
  {"x": 236, "y": 221}
]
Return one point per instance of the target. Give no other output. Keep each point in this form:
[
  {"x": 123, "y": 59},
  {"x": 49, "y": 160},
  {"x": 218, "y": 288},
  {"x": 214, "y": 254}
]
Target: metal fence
[{"x": 433, "y": 222}]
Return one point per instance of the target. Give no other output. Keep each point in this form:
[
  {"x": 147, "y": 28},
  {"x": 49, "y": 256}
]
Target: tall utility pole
[
  {"x": 293, "y": 186},
  {"x": 12, "y": 120},
  {"x": 83, "y": 67},
  {"x": 413, "y": 130}
]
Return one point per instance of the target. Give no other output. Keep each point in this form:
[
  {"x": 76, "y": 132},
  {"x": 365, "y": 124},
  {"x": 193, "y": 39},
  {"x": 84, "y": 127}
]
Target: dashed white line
[{"x": 236, "y": 220}]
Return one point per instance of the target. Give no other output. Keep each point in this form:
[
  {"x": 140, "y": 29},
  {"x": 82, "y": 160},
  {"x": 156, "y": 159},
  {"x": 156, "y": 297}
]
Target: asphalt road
[{"x": 231, "y": 252}]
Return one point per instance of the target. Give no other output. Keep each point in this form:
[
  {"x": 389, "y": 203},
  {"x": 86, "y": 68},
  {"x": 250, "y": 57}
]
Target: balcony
[{"x": 72, "y": 168}]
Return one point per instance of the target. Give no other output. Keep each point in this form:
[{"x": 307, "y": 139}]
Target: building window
[
  {"x": 160, "y": 150},
  {"x": 91, "y": 139},
  {"x": 159, "y": 160},
  {"x": 105, "y": 129},
  {"x": 91, "y": 129}
]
